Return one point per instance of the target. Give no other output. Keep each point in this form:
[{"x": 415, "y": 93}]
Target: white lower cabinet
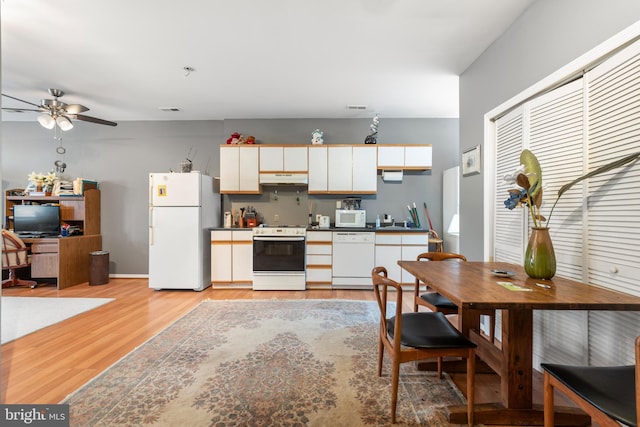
[
  {"x": 413, "y": 244},
  {"x": 388, "y": 252},
  {"x": 220, "y": 256},
  {"x": 231, "y": 257},
  {"x": 394, "y": 246},
  {"x": 319, "y": 253}
]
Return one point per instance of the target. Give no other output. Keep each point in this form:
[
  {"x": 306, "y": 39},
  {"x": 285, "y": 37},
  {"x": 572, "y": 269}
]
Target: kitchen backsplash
[{"x": 290, "y": 204}]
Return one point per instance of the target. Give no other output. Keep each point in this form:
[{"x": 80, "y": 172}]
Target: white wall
[{"x": 550, "y": 34}]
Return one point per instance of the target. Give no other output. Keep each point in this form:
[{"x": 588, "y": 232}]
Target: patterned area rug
[{"x": 262, "y": 363}]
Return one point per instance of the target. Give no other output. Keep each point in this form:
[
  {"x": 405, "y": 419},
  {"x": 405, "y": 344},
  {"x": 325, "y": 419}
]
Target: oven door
[{"x": 278, "y": 254}]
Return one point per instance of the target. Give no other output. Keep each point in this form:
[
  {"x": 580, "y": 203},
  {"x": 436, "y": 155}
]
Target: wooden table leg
[{"x": 516, "y": 388}]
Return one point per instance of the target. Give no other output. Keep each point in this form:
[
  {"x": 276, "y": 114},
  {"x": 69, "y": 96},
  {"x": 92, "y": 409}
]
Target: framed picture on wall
[{"x": 471, "y": 161}]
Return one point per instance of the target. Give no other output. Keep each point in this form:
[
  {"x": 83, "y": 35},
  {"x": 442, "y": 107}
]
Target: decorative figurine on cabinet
[
  {"x": 317, "y": 137},
  {"x": 372, "y": 137}
]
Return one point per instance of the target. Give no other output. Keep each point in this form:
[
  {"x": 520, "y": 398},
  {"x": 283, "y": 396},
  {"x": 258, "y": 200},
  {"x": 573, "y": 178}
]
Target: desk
[
  {"x": 472, "y": 287},
  {"x": 64, "y": 258}
]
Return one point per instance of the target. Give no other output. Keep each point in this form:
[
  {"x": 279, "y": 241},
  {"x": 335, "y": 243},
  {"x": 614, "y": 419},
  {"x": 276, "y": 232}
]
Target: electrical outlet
[
  {"x": 276, "y": 218},
  {"x": 338, "y": 204}
]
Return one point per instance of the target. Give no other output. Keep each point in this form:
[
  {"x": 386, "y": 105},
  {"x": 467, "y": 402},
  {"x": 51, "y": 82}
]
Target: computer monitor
[{"x": 36, "y": 220}]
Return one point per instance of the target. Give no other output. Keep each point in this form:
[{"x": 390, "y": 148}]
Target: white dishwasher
[{"x": 353, "y": 259}]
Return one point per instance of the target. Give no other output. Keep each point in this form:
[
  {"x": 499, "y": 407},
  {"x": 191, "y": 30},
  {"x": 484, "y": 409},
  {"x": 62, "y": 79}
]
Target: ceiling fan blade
[
  {"x": 92, "y": 120},
  {"x": 75, "y": 108},
  {"x": 21, "y": 100},
  {"x": 20, "y": 110}
]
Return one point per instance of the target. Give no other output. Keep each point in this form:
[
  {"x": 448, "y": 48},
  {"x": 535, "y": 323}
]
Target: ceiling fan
[{"x": 55, "y": 112}]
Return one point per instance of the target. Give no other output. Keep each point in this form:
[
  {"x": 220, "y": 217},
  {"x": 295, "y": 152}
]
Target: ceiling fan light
[
  {"x": 46, "y": 121},
  {"x": 64, "y": 123}
]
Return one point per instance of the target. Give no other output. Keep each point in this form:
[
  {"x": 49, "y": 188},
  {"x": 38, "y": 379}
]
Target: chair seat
[
  {"x": 610, "y": 389},
  {"x": 429, "y": 330},
  {"x": 437, "y": 300}
]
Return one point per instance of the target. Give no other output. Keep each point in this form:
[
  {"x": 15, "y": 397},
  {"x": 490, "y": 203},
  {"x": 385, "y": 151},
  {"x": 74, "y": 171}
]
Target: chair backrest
[
  {"x": 14, "y": 252},
  {"x": 381, "y": 285},
  {"x": 439, "y": 256}
]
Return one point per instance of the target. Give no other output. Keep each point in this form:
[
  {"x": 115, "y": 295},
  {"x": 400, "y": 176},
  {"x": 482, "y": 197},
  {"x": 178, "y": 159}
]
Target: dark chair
[
  {"x": 436, "y": 302},
  {"x": 609, "y": 395},
  {"x": 15, "y": 254},
  {"x": 409, "y": 337}
]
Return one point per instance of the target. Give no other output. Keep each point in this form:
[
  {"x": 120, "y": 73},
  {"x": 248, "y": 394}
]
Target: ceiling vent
[
  {"x": 356, "y": 107},
  {"x": 170, "y": 109}
]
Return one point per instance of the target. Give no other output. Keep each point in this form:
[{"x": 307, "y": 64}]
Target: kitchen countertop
[{"x": 393, "y": 229}]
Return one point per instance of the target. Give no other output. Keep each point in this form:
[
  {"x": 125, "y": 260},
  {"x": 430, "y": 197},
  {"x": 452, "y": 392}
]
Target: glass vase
[{"x": 540, "y": 258}]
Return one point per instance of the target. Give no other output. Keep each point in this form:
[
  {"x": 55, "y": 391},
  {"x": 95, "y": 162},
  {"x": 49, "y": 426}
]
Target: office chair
[{"x": 15, "y": 254}]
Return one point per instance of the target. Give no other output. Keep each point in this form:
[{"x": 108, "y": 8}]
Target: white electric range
[{"x": 279, "y": 258}]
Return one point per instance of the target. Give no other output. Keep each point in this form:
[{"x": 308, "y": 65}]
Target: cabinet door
[
  {"x": 340, "y": 169},
  {"x": 44, "y": 265},
  {"x": 242, "y": 256},
  {"x": 365, "y": 172},
  {"x": 242, "y": 260},
  {"x": 221, "y": 256},
  {"x": 417, "y": 156},
  {"x": 387, "y": 256},
  {"x": 229, "y": 168},
  {"x": 271, "y": 159},
  {"x": 318, "y": 169},
  {"x": 413, "y": 244},
  {"x": 248, "y": 169},
  {"x": 391, "y": 157},
  {"x": 295, "y": 159}
]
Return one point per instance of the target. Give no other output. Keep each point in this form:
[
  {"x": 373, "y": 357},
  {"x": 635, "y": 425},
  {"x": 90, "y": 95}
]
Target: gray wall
[
  {"x": 549, "y": 35},
  {"x": 120, "y": 159}
]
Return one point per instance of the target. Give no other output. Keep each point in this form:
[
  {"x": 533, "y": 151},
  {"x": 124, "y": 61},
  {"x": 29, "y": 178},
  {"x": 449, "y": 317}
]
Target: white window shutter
[
  {"x": 509, "y": 224},
  {"x": 613, "y": 212},
  {"x": 556, "y": 121}
]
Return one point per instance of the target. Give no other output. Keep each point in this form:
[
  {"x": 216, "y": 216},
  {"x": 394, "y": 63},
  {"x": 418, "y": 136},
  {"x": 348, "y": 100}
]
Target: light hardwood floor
[{"x": 47, "y": 365}]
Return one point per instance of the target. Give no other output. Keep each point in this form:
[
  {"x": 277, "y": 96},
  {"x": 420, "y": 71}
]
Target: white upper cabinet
[
  {"x": 318, "y": 169},
  {"x": 417, "y": 157},
  {"x": 410, "y": 157},
  {"x": 391, "y": 156},
  {"x": 283, "y": 159},
  {"x": 271, "y": 159},
  {"x": 365, "y": 175},
  {"x": 342, "y": 169},
  {"x": 239, "y": 169},
  {"x": 295, "y": 159}
]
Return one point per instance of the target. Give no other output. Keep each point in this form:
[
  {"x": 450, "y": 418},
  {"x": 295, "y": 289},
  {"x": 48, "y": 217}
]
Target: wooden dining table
[{"x": 473, "y": 286}]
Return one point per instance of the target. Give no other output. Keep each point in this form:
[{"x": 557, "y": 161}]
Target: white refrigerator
[{"x": 183, "y": 207}]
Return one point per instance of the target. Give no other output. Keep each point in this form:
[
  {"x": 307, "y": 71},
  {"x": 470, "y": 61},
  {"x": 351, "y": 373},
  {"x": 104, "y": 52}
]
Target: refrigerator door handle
[
  {"x": 151, "y": 190},
  {"x": 150, "y": 226}
]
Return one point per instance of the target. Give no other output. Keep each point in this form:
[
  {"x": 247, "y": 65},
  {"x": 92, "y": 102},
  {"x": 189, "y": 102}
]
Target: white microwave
[{"x": 351, "y": 218}]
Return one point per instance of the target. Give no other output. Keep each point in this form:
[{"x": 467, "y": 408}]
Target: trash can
[{"x": 98, "y": 268}]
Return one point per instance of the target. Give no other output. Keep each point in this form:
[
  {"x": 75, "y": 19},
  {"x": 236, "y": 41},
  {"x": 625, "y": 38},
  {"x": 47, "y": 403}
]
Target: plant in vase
[
  {"x": 40, "y": 182},
  {"x": 540, "y": 261}
]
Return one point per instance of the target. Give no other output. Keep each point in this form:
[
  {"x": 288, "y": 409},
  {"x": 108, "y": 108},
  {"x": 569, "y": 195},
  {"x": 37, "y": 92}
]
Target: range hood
[{"x": 283, "y": 178}]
